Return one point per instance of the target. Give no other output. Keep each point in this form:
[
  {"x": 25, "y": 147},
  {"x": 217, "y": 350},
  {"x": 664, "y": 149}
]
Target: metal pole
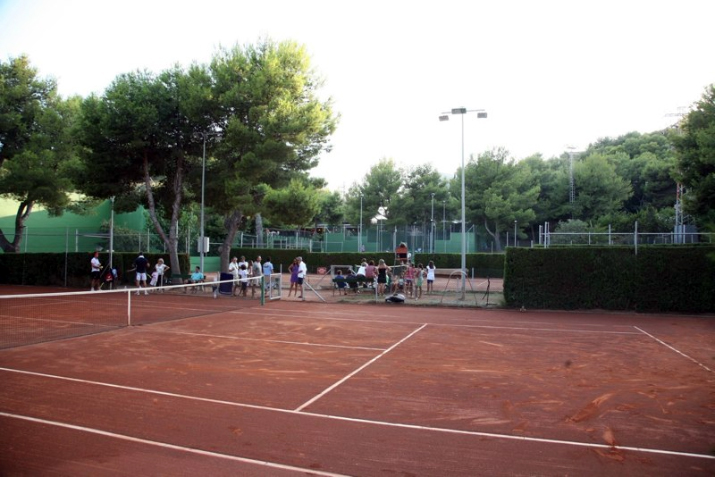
[
  {"x": 203, "y": 181},
  {"x": 360, "y": 228},
  {"x": 515, "y": 233},
  {"x": 464, "y": 219},
  {"x": 432, "y": 226},
  {"x": 444, "y": 231}
]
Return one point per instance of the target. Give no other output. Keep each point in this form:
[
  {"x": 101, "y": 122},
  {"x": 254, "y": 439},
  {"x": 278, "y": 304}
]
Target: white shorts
[{"x": 141, "y": 277}]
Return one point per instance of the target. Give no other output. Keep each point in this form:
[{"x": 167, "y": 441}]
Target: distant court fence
[{"x": 442, "y": 238}]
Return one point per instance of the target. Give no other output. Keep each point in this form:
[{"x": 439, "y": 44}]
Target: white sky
[{"x": 550, "y": 73}]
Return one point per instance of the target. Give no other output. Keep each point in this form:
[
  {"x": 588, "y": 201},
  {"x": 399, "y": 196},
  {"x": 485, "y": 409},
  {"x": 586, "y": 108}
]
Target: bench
[{"x": 351, "y": 282}]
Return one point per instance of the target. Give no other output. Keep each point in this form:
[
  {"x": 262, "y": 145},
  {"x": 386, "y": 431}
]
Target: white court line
[
  {"x": 164, "y": 445},
  {"x": 364, "y": 421},
  {"x": 338, "y": 383},
  {"x": 677, "y": 351},
  {"x": 240, "y": 338},
  {"x": 453, "y": 324}
]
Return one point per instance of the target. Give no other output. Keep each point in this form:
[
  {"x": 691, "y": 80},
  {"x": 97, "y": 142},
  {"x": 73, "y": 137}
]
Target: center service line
[{"x": 303, "y": 406}]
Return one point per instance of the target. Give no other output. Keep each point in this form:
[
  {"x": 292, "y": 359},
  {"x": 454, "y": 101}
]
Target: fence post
[{"x": 635, "y": 237}]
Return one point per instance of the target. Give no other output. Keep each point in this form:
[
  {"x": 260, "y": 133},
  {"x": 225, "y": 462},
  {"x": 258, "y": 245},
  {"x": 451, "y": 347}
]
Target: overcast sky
[{"x": 551, "y": 74}]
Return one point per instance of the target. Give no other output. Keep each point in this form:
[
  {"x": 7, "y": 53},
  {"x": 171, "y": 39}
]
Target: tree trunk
[
  {"x": 259, "y": 230},
  {"x": 23, "y": 211},
  {"x": 495, "y": 234},
  {"x": 172, "y": 240},
  {"x": 231, "y": 224}
]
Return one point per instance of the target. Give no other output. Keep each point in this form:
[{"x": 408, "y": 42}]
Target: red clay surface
[{"x": 296, "y": 388}]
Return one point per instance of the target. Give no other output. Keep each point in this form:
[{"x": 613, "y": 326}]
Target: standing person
[
  {"x": 242, "y": 261},
  {"x": 257, "y": 272},
  {"x": 293, "y": 268},
  {"x": 243, "y": 278},
  {"x": 370, "y": 273},
  {"x": 302, "y": 272},
  {"x": 141, "y": 264},
  {"x": 382, "y": 271},
  {"x": 267, "y": 272},
  {"x": 233, "y": 269},
  {"x": 95, "y": 272},
  {"x": 161, "y": 269},
  {"x": 419, "y": 278},
  {"x": 409, "y": 278},
  {"x": 430, "y": 276}
]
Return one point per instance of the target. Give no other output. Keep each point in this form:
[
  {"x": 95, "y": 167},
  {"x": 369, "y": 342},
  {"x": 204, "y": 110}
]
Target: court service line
[
  {"x": 241, "y": 338},
  {"x": 174, "y": 447},
  {"x": 338, "y": 383},
  {"x": 362, "y": 421},
  {"x": 455, "y": 325},
  {"x": 676, "y": 350}
]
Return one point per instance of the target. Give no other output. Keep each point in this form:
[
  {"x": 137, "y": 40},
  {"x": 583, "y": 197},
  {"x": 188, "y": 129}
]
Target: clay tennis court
[{"x": 308, "y": 388}]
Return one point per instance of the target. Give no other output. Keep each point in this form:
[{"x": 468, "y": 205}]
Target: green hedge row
[
  {"x": 664, "y": 279},
  {"x": 71, "y": 269}
]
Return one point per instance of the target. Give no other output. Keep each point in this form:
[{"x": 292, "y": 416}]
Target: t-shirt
[
  {"x": 196, "y": 276},
  {"x": 141, "y": 263},
  {"x": 160, "y": 268},
  {"x": 257, "y": 269},
  {"x": 233, "y": 269},
  {"x": 302, "y": 270},
  {"x": 267, "y": 268},
  {"x": 95, "y": 264}
]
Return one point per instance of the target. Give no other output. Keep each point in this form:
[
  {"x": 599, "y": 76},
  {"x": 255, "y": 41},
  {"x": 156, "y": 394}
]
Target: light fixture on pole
[
  {"x": 431, "y": 227},
  {"x": 445, "y": 117}
]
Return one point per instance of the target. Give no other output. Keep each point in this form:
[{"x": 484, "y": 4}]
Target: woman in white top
[
  {"x": 430, "y": 276},
  {"x": 161, "y": 269}
]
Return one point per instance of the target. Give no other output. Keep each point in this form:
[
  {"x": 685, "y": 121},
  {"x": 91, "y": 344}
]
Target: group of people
[
  {"x": 143, "y": 279},
  {"x": 242, "y": 270},
  {"x": 142, "y": 267},
  {"x": 298, "y": 270},
  {"x": 408, "y": 278}
]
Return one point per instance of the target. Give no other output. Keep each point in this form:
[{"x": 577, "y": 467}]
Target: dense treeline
[{"x": 250, "y": 127}]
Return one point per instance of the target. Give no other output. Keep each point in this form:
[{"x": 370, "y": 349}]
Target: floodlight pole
[
  {"x": 444, "y": 229},
  {"x": 445, "y": 117},
  {"x": 431, "y": 231},
  {"x": 203, "y": 187},
  {"x": 360, "y": 228}
]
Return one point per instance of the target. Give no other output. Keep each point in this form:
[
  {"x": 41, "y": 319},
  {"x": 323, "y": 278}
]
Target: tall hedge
[{"x": 678, "y": 278}]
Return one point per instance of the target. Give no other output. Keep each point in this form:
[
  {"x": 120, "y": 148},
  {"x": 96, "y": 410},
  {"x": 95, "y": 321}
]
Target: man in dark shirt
[{"x": 141, "y": 264}]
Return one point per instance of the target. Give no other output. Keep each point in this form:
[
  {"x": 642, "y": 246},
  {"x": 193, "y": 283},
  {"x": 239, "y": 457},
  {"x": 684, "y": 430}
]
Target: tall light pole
[
  {"x": 431, "y": 227},
  {"x": 360, "y": 228},
  {"x": 444, "y": 230},
  {"x": 445, "y": 117},
  {"x": 203, "y": 187},
  {"x": 514, "y": 233}
]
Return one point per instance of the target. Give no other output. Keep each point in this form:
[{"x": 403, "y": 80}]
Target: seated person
[
  {"x": 340, "y": 283},
  {"x": 398, "y": 284},
  {"x": 196, "y": 277},
  {"x": 353, "y": 281}
]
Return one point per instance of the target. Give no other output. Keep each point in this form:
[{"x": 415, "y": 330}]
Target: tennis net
[{"x": 35, "y": 318}]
